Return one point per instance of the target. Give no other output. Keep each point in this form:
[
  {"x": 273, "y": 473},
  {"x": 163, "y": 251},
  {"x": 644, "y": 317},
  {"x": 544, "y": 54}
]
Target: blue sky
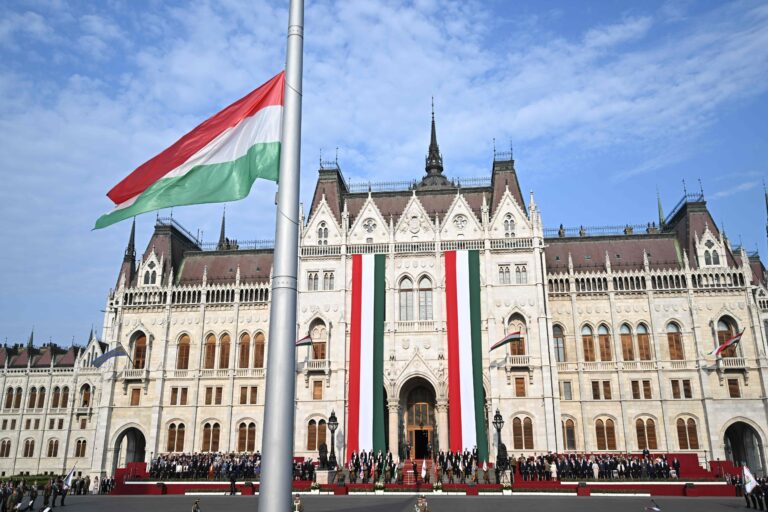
[{"x": 603, "y": 101}]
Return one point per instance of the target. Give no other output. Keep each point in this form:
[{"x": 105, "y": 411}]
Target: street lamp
[
  {"x": 333, "y": 424},
  {"x": 498, "y": 424}
]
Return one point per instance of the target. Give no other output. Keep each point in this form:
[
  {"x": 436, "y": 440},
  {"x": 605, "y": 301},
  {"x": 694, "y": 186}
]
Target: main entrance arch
[
  {"x": 419, "y": 435},
  {"x": 743, "y": 444},
  {"x": 130, "y": 446}
]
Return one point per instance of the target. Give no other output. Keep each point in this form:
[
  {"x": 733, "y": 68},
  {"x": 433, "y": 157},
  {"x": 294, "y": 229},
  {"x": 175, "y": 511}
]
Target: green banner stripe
[
  {"x": 379, "y": 299},
  {"x": 477, "y": 354}
]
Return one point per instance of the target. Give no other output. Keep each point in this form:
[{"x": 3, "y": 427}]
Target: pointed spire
[
  {"x": 130, "y": 250},
  {"x": 222, "y": 233},
  {"x": 90, "y": 335},
  {"x": 31, "y": 338},
  {"x": 661, "y": 210},
  {"x": 434, "y": 158}
]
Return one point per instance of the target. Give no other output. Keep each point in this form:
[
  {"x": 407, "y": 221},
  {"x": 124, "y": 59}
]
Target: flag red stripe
[
  {"x": 353, "y": 420},
  {"x": 271, "y": 93},
  {"x": 454, "y": 386}
]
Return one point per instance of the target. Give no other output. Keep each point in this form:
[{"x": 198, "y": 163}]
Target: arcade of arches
[
  {"x": 743, "y": 444},
  {"x": 130, "y": 446}
]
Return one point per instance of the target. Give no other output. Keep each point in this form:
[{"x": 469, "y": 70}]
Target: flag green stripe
[
  {"x": 477, "y": 354},
  {"x": 379, "y": 443},
  {"x": 215, "y": 183}
]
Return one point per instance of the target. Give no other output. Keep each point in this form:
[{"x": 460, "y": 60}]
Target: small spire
[
  {"x": 222, "y": 233},
  {"x": 90, "y": 335},
  {"x": 434, "y": 158},
  {"x": 661, "y": 210},
  {"x": 31, "y": 338},
  {"x": 701, "y": 189},
  {"x": 130, "y": 250},
  {"x": 685, "y": 189}
]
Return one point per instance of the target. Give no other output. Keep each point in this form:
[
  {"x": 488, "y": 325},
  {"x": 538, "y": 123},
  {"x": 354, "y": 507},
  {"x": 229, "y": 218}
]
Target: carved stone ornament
[
  {"x": 369, "y": 225},
  {"x": 460, "y": 221},
  {"x": 414, "y": 224}
]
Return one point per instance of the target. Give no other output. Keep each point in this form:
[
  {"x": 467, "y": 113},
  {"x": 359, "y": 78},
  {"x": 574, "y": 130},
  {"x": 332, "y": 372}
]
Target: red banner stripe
[
  {"x": 353, "y": 426},
  {"x": 454, "y": 391}
]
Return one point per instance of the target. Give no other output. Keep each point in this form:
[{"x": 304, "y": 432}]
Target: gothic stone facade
[{"x": 614, "y": 331}]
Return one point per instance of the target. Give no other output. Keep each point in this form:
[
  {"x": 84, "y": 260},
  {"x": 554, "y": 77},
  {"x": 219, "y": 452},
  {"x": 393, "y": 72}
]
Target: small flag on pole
[
  {"x": 68, "y": 478},
  {"x": 509, "y": 338},
  {"x": 304, "y": 342},
  {"x": 728, "y": 343},
  {"x": 423, "y": 469},
  {"x": 653, "y": 508},
  {"x": 749, "y": 480},
  {"x": 115, "y": 352}
]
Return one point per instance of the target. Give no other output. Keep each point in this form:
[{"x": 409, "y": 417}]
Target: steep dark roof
[
  {"x": 255, "y": 266},
  {"x": 625, "y": 252}
]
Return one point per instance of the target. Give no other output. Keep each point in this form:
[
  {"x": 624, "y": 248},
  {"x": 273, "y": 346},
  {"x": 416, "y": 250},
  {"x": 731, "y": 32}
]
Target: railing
[
  {"x": 679, "y": 364},
  {"x": 133, "y": 374},
  {"x": 320, "y": 250},
  {"x": 218, "y": 373},
  {"x": 462, "y": 245},
  {"x": 639, "y": 365},
  {"x": 315, "y": 365},
  {"x": 83, "y": 410},
  {"x": 414, "y": 247},
  {"x": 598, "y": 366},
  {"x": 250, "y": 372},
  {"x": 512, "y": 243},
  {"x": 38, "y": 371},
  {"x": 169, "y": 221},
  {"x": 415, "y": 326},
  {"x": 238, "y": 245},
  {"x": 696, "y": 197},
  {"x": 179, "y": 374},
  {"x": 567, "y": 366},
  {"x": 732, "y": 362},
  {"x": 582, "y": 231},
  {"x": 517, "y": 361},
  {"x": 368, "y": 249},
  {"x": 391, "y": 186}
]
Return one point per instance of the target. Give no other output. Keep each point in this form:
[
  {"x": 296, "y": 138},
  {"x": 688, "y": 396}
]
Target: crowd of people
[
  {"x": 553, "y": 466},
  {"x": 758, "y": 498},
  {"x": 20, "y": 495},
  {"x": 205, "y": 466}
]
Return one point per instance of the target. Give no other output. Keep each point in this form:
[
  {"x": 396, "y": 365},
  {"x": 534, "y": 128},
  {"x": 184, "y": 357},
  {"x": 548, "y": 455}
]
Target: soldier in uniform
[
  {"x": 298, "y": 506},
  {"x": 196, "y": 506}
]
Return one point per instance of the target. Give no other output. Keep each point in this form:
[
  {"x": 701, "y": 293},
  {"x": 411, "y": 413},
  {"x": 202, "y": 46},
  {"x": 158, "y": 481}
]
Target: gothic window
[
  {"x": 319, "y": 335},
  {"x": 150, "y": 276},
  {"x": 406, "y": 300},
  {"x": 53, "y": 448},
  {"x": 643, "y": 343},
  {"x": 17, "y": 398},
  {"x": 604, "y": 340},
  {"x": 224, "y": 348},
  {"x": 675, "y": 342},
  {"x": 175, "y": 437},
  {"x": 139, "y": 351},
  {"x": 627, "y": 349},
  {"x": 517, "y": 324},
  {"x": 321, "y": 433},
  {"x": 313, "y": 281},
  {"x": 646, "y": 434},
  {"x": 605, "y": 432},
  {"x": 5, "y": 448},
  {"x": 209, "y": 359},
  {"x": 312, "y": 435},
  {"x": 726, "y": 329},
  {"x": 559, "y": 337},
  {"x": 41, "y": 398},
  {"x": 244, "y": 351},
  {"x": 521, "y": 274},
  {"x": 687, "y": 435},
  {"x": 509, "y": 226},
  {"x": 369, "y": 225},
  {"x": 80, "y": 448},
  {"x": 85, "y": 396},
  {"x": 569, "y": 434},
  {"x": 715, "y": 258},
  {"x": 211, "y": 434},
  {"x": 425, "y": 299},
  {"x": 258, "y": 350},
  {"x": 246, "y": 437},
  {"x": 328, "y": 281},
  {"x": 522, "y": 433},
  {"x": 588, "y": 343},
  {"x": 322, "y": 234},
  {"x": 182, "y": 353},
  {"x": 29, "y": 448},
  {"x": 505, "y": 276},
  {"x": 64, "y": 397},
  {"x": 32, "y": 400},
  {"x": 9, "y": 398},
  {"x": 707, "y": 258}
]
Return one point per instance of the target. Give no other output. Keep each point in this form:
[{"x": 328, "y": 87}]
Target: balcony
[
  {"x": 220, "y": 373},
  {"x": 567, "y": 367},
  {"x": 599, "y": 366},
  {"x": 134, "y": 374},
  {"x": 415, "y": 326},
  {"x": 315, "y": 365},
  {"x": 517, "y": 361},
  {"x": 639, "y": 365},
  {"x": 250, "y": 372},
  {"x": 83, "y": 411},
  {"x": 179, "y": 374},
  {"x": 680, "y": 364},
  {"x": 732, "y": 363}
]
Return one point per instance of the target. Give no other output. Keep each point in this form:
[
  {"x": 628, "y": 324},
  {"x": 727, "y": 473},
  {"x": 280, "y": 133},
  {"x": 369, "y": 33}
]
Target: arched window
[
  {"x": 559, "y": 338},
  {"x": 182, "y": 354},
  {"x": 687, "y": 435},
  {"x": 5, "y": 448},
  {"x": 322, "y": 234},
  {"x": 139, "y": 351},
  {"x": 406, "y": 300},
  {"x": 321, "y": 433},
  {"x": 211, "y": 433},
  {"x": 85, "y": 395},
  {"x": 32, "y": 400},
  {"x": 54, "y": 398},
  {"x": 675, "y": 342},
  {"x": 210, "y": 352},
  {"x": 64, "y": 397},
  {"x": 715, "y": 258},
  {"x": 588, "y": 343},
  {"x": 517, "y": 324},
  {"x": 425, "y": 298},
  {"x": 604, "y": 340},
  {"x": 53, "y": 448},
  {"x": 528, "y": 434},
  {"x": 244, "y": 351},
  {"x": 312, "y": 435},
  {"x": 643, "y": 343},
  {"x": 80, "y": 448},
  {"x": 509, "y": 226},
  {"x": 569, "y": 434},
  {"x": 517, "y": 434},
  {"x": 726, "y": 329},
  {"x": 605, "y": 432},
  {"x": 627, "y": 348},
  {"x": 600, "y": 434},
  {"x": 258, "y": 350},
  {"x": 246, "y": 437},
  {"x": 41, "y": 398},
  {"x": 176, "y": 437},
  {"x": 707, "y": 258},
  {"x": 17, "y": 398},
  {"x": 646, "y": 434},
  {"x": 29, "y": 448},
  {"x": 224, "y": 348},
  {"x": 693, "y": 435},
  {"x": 319, "y": 335},
  {"x": 206, "y": 438},
  {"x": 9, "y": 398}
]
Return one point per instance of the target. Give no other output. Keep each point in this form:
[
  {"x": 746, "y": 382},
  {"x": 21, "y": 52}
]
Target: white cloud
[{"x": 741, "y": 187}]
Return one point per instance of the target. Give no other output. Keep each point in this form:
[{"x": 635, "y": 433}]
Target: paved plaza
[{"x": 405, "y": 503}]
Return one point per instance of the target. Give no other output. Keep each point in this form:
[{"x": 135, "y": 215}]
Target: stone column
[
  {"x": 442, "y": 424},
  {"x": 394, "y": 428}
]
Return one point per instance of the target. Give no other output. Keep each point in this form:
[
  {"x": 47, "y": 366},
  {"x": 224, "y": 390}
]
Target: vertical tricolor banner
[
  {"x": 466, "y": 409},
  {"x": 365, "y": 429}
]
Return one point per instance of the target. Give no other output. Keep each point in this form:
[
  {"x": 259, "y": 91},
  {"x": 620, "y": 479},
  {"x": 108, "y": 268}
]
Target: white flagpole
[{"x": 277, "y": 443}]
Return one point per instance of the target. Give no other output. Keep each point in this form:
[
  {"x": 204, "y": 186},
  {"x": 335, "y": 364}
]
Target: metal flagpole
[{"x": 277, "y": 443}]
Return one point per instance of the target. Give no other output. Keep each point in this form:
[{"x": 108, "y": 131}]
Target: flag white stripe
[
  {"x": 466, "y": 380},
  {"x": 262, "y": 127},
  {"x": 365, "y": 428}
]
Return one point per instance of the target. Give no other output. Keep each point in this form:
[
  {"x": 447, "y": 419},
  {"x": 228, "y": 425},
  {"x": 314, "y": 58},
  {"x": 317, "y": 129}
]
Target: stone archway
[
  {"x": 130, "y": 446},
  {"x": 744, "y": 445},
  {"x": 418, "y": 436}
]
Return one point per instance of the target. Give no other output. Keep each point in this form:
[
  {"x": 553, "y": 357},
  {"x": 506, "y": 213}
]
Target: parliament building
[{"x": 615, "y": 325}]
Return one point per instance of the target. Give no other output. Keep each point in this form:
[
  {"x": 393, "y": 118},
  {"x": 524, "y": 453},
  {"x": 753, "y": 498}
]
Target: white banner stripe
[
  {"x": 365, "y": 441},
  {"x": 466, "y": 382}
]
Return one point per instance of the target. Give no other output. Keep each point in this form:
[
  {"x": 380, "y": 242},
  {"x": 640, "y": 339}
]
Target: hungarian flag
[
  {"x": 217, "y": 161},
  {"x": 304, "y": 342},
  {"x": 365, "y": 430},
  {"x": 465, "y": 361},
  {"x": 509, "y": 338},
  {"x": 728, "y": 343},
  {"x": 749, "y": 480}
]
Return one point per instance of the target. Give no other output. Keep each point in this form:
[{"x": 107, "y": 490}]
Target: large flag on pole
[
  {"x": 365, "y": 430},
  {"x": 727, "y": 343},
  {"x": 749, "y": 480},
  {"x": 465, "y": 361},
  {"x": 68, "y": 478},
  {"x": 217, "y": 161},
  {"x": 115, "y": 352}
]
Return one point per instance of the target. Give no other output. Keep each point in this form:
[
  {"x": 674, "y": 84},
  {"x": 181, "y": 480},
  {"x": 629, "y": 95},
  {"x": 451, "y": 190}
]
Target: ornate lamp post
[
  {"x": 333, "y": 424},
  {"x": 498, "y": 424}
]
